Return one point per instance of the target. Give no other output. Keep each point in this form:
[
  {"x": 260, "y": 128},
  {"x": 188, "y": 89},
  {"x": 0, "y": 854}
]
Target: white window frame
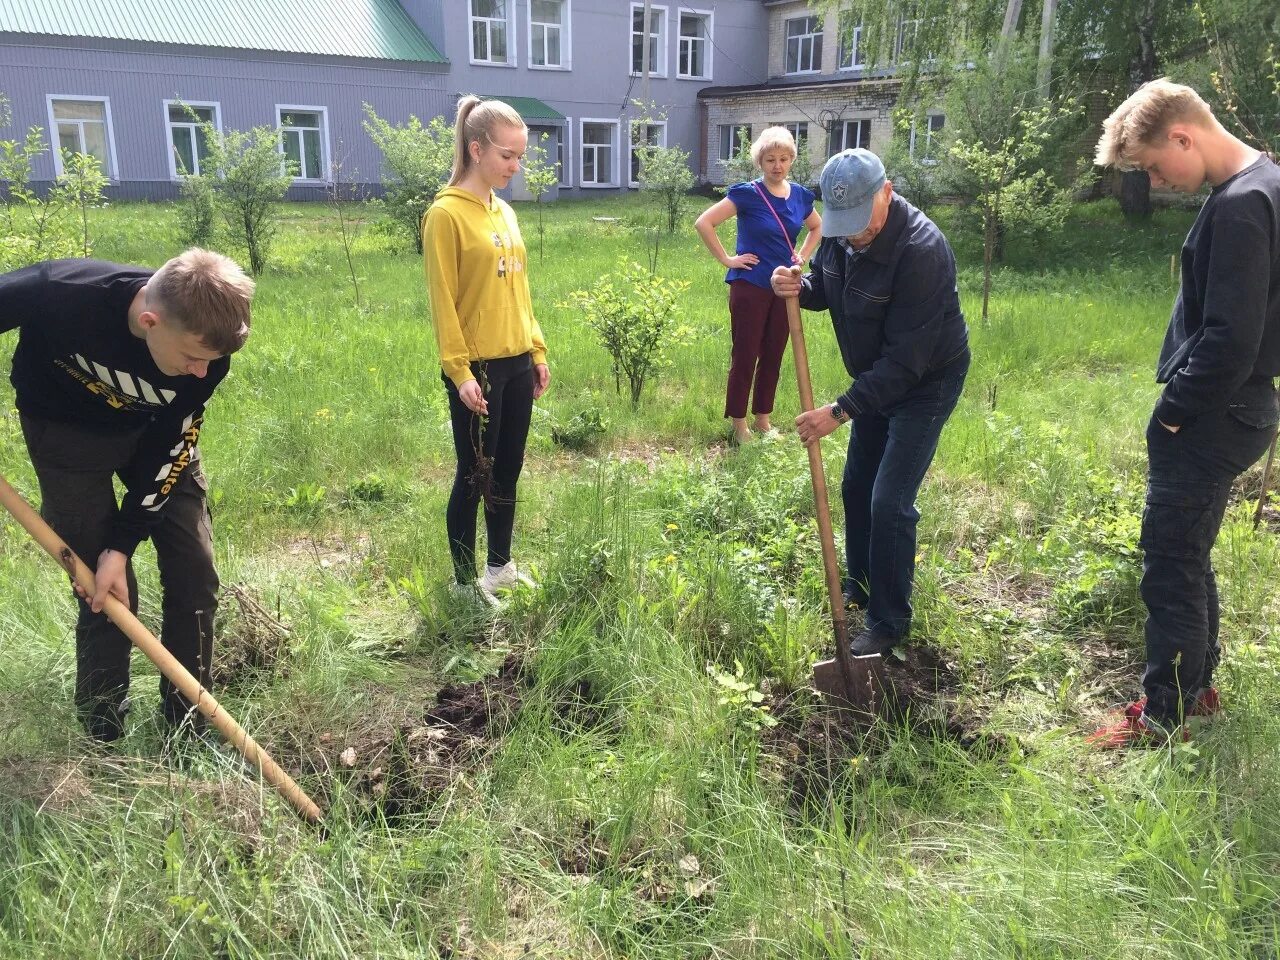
[
  {"x": 844, "y": 122},
  {"x": 614, "y": 142},
  {"x": 814, "y": 38},
  {"x": 325, "y": 157},
  {"x": 709, "y": 41},
  {"x": 170, "y": 124},
  {"x": 733, "y": 128},
  {"x": 793, "y": 127},
  {"x": 925, "y": 159},
  {"x": 858, "y": 58},
  {"x": 112, "y": 174},
  {"x": 631, "y": 144},
  {"x": 565, "y": 180},
  {"x": 510, "y": 22},
  {"x": 566, "y": 38},
  {"x": 658, "y": 16}
]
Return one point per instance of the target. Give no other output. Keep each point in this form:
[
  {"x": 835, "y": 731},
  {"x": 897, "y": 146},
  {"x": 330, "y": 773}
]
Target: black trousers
[
  {"x": 1191, "y": 473},
  {"x": 75, "y": 467},
  {"x": 490, "y": 454}
]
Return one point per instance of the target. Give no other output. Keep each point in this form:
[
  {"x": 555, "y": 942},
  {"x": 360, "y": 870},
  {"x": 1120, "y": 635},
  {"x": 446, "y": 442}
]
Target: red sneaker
[
  {"x": 1132, "y": 729},
  {"x": 1208, "y": 704}
]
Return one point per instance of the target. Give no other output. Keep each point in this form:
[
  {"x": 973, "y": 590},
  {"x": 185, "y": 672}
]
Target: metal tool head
[{"x": 864, "y": 690}]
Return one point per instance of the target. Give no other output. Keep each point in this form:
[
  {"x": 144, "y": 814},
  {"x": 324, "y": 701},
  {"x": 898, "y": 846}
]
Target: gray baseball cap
[{"x": 850, "y": 181}]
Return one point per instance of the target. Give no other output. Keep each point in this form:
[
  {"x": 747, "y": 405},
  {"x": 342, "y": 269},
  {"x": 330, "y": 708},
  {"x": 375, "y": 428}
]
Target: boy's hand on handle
[
  {"x": 743, "y": 261},
  {"x": 786, "y": 281},
  {"x": 111, "y": 577},
  {"x": 541, "y": 379},
  {"x": 473, "y": 397}
]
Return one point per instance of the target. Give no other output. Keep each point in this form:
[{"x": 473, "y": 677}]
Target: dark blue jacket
[{"x": 894, "y": 306}]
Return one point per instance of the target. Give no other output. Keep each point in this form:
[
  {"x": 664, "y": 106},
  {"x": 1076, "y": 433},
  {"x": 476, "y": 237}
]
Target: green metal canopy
[
  {"x": 372, "y": 29},
  {"x": 531, "y": 108}
]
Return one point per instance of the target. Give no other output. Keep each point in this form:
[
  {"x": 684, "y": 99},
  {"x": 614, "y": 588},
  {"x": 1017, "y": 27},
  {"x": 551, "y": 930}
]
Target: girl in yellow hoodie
[{"x": 491, "y": 348}]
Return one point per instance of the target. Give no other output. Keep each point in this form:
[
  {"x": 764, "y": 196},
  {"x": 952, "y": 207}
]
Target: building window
[
  {"x": 549, "y": 34},
  {"x": 554, "y": 147},
  {"x": 695, "y": 45},
  {"x": 644, "y": 135},
  {"x": 490, "y": 31},
  {"x": 304, "y": 142},
  {"x": 799, "y": 130},
  {"x": 924, "y": 141},
  {"x": 908, "y": 41},
  {"x": 83, "y": 125},
  {"x": 188, "y": 142},
  {"x": 852, "y": 55},
  {"x": 599, "y": 146},
  {"x": 731, "y": 140},
  {"x": 804, "y": 45},
  {"x": 657, "y": 48},
  {"x": 847, "y": 134}
]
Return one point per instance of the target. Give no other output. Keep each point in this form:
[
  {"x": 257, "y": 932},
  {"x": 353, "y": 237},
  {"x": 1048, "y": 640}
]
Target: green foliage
[
  {"x": 196, "y": 211},
  {"x": 633, "y": 312},
  {"x": 740, "y": 168},
  {"x": 742, "y": 699},
  {"x": 252, "y": 180},
  {"x": 802, "y": 171},
  {"x": 582, "y": 431},
  {"x": 540, "y": 177},
  {"x": 42, "y": 225},
  {"x": 1242, "y": 39},
  {"x": 417, "y": 159},
  {"x": 664, "y": 171}
]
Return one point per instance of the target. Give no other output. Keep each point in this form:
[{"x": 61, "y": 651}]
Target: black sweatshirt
[
  {"x": 77, "y": 362},
  {"x": 1222, "y": 348},
  {"x": 894, "y": 307}
]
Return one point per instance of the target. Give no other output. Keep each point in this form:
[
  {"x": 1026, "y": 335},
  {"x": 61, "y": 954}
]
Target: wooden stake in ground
[
  {"x": 1266, "y": 480},
  {"x": 144, "y": 640}
]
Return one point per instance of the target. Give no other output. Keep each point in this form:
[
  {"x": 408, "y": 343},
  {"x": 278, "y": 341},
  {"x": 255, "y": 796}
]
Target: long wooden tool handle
[
  {"x": 1266, "y": 480},
  {"x": 834, "y": 590},
  {"x": 144, "y": 640}
]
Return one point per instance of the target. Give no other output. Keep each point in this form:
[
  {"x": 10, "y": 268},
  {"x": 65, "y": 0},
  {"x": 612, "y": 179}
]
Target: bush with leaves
[
  {"x": 740, "y": 168},
  {"x": 540, "y": 176},
  {"x": 634, "y": 314},
  {"x": 418, "y": 159},
  {"x": 252, "y": 180},
  {"x": 196, "y": 211}
]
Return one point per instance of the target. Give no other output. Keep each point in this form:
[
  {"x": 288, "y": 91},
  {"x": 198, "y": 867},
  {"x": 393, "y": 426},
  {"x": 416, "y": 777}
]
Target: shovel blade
[{"x": 864, "y": 692}]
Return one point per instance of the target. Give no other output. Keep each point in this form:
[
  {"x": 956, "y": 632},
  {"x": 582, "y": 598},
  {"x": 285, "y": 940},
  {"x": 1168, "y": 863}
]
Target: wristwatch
[{"x": 838, "y": 414}]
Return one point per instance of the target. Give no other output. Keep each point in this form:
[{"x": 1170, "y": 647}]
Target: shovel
[
  {"x": 144, "y": 640},
  {"x": 857, "y": 682}
]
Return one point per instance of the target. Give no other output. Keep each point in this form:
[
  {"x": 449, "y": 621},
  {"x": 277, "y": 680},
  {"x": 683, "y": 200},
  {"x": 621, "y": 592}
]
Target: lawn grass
[{"x": 622, "y": 796}]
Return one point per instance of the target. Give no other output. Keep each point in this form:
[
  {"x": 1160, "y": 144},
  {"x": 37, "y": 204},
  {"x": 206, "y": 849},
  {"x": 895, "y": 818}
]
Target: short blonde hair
[
  {"x": 1142, "y": 119},
  {"x": 772, "y": 138},
  {"x": 206, "y": 294}
]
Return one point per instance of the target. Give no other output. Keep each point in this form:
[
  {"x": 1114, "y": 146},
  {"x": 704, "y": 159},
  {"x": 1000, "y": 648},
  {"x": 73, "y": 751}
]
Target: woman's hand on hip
[
  {"x": 743, "y": 261},
  {"x": 473, "y": 397},
  {"x": 541, "y": 379}
]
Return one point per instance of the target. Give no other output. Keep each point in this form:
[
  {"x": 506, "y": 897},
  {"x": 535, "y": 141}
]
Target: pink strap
[{"x": 769, "y": 206}]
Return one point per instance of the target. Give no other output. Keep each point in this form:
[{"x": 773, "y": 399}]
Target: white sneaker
[
  {"x": 474, "y": 592},
  {"x": 504, "y": 577}
]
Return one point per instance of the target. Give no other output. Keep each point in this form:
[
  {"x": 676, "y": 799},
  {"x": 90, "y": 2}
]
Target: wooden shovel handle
[
  {"x": 144, "y": 640},
  {"x": 834, "y": 590}
]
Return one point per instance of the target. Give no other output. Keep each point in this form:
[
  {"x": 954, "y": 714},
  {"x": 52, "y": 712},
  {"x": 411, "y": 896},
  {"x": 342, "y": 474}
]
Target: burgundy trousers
[{"x": 758, "y": 324}]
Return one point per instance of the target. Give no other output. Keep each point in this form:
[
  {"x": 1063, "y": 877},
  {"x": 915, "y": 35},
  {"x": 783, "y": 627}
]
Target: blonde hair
[
  {"x": 476, "y": 120},
  {"x": 206, "y": 294},
  {"x": 1142, "y": 119},
  {"x": 772, "y": 138}
]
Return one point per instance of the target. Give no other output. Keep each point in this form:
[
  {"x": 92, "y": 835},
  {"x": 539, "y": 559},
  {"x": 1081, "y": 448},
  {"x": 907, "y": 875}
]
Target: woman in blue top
[{"x": 770, "y": 212}]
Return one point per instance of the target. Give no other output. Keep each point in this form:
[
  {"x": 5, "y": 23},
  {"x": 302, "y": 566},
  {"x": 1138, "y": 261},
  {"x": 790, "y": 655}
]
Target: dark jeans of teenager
[
  {"x": 1189, "y": 483},
  {"x": 889, "y": 454},
  {"x": 758, "y": 325},
  {"x": 501, "y": 436},
  {"x": 75, "y": 467}
]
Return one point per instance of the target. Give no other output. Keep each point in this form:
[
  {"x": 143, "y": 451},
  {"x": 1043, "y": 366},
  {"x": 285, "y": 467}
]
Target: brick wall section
[{"x": 816, "y": 106}]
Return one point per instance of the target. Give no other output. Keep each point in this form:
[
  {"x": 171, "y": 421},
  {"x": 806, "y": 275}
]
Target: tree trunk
[
  {"x": 1135, "y": 185},
  {"x": 988, "y": 248}
]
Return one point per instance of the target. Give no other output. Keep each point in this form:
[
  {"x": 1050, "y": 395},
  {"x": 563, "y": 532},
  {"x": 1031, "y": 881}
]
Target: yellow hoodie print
[{"x": 477, "y": 284}]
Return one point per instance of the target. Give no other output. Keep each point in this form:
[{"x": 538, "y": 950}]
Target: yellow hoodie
[{"x": 477, "y": 284}]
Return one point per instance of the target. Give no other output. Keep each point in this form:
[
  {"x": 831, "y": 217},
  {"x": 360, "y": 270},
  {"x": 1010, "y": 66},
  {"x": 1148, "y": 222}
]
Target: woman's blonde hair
[
  {"x": 772, "y": 138},
  {"x": 1142, "y": 119},
  {"x": 476, "y": 121}
]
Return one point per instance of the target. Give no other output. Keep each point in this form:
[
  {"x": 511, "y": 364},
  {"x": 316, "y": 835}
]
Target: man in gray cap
[{"x": 887, "y": 275}]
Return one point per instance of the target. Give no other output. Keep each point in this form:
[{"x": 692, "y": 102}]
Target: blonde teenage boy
[
  {"x": 1219, "y": 408},
  {"x": 111, "y": 374}
]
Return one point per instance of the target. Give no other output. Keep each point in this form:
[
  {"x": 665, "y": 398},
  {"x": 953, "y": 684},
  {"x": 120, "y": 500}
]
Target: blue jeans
[
  {"x": 889, "y": 454},
  {"x": 1191, "y": 473}
]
